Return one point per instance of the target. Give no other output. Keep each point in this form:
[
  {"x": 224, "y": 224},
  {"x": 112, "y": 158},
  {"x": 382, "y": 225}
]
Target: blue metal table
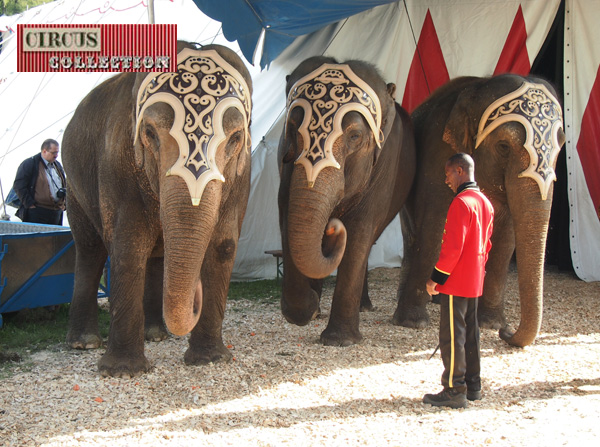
[{"x": 37, "y": 265}]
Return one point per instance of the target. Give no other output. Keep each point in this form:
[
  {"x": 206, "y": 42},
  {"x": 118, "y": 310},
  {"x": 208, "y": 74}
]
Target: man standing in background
[{"x": 40, "y": 184}]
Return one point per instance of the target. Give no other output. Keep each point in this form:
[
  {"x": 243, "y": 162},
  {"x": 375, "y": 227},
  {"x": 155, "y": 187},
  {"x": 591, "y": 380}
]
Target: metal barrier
[{"x": 37, "y": 265}]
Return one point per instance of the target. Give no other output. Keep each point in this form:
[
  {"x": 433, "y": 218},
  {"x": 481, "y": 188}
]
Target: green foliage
[
  {"x": 11, "y": 7},
  {"x": 38, "y": 329},
  {"x": 263, "y": 291}
]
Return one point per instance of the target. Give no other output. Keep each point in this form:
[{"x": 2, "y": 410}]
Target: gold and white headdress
[
  {"x": 200, "y": 91},
  {"x": 540, "y": 113},
  {"x": 326, "y": 95}
]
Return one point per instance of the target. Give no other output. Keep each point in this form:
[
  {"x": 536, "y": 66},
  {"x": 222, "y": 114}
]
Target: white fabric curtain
[{"x": 582, "y": 122}]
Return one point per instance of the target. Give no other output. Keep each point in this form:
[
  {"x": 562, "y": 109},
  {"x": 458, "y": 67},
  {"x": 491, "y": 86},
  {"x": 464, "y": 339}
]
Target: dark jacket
[{"x": 24, "y": 184}]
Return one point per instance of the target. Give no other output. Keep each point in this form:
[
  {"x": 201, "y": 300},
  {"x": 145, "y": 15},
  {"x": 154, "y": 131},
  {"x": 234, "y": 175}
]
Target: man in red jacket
[{"x": 458, "y": 278}]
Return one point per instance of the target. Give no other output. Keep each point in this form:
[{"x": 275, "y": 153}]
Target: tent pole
[{"x": 151, "y": 12}]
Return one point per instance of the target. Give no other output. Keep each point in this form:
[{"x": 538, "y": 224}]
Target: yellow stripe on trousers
[{"x": 451, "y": 313}]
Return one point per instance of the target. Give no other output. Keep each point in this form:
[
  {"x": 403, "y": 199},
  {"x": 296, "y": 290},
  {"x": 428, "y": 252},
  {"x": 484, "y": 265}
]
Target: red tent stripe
[
  {"x": 588, "y": 146},
  {"x": 428, "y": 71},
  {"x": 514, "y": 57}
]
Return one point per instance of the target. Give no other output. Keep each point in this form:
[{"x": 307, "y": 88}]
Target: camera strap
[
  {"x": 55, "y": 166},
  {"x": 49, "y": 168}
]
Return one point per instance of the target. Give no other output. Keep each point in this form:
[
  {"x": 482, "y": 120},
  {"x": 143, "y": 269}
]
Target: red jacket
[{"x": 466, "y": 243}]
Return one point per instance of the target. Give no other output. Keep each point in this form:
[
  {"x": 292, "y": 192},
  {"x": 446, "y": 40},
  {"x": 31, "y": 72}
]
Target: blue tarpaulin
[{"x": 281, "y": 20}]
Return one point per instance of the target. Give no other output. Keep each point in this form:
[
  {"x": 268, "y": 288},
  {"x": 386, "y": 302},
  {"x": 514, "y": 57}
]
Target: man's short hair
[
  {"x": 49, "y": 142},
  {"x": 465, "y": 161}
]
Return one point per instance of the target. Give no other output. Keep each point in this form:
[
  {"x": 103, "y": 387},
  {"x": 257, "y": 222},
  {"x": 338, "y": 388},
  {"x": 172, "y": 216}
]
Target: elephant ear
[
  {"x": 244, "y": 157},
  {"x": 461, "y": 125},
  {"x": 138, "y": 149},
  {"x": 387, "y": 121}
]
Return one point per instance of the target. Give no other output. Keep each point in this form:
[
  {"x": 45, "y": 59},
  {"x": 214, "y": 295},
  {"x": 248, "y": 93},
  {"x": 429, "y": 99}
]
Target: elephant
[
  {"x": 512, "y": 127},
  {"x": 347, "y": 162},
  {"x": 158, "y": 169}
]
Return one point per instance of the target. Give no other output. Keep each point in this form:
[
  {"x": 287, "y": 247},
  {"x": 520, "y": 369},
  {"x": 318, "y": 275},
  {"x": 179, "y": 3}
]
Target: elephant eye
[
  {"x": 503, "y": 149},
  {"x": 354, "y": 138},
  {"x": 291, "y": 143},
  {"x": 151, "y": 137},
  {"x": 235, "y": 140},
  {"x": 236, "y": 137}
]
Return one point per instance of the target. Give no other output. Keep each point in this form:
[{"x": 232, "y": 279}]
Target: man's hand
[{"x": 431, "y": 287}]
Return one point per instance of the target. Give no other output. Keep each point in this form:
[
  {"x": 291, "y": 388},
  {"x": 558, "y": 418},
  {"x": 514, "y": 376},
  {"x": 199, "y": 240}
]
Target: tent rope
[{"x": 412, "y": 30}]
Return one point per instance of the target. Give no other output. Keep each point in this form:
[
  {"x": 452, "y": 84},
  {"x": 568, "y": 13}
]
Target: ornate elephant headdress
[
  {"x": 200, "y": 91},
  {"x": 326, "y": 95},
  {"x": 540, "y": 113}
]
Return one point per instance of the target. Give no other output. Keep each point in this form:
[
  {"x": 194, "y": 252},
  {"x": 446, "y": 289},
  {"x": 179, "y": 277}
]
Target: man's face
[
  {"x": 453, "y": 177},
  {"x": 50, "y": 154}
]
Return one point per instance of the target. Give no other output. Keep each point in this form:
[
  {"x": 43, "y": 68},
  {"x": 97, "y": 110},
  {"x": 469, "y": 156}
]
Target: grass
[
  {"x": 260, "y": 291},
  {"x": 34, "y": 330}
]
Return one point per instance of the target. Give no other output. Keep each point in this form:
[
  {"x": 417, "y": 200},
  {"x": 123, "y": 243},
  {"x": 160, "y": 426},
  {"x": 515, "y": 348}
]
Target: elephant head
[
  {"x": 192, "y": 141},
  {"x": 513, "y": 128},
  {"x": 338, "y": 116}
]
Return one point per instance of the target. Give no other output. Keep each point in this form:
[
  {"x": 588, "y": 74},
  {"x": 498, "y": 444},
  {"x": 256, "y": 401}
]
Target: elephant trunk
[
  {"x": 187, "y": 231},
  {"x": 531, "y": 229},
  {"x": 316, "y": 241}
]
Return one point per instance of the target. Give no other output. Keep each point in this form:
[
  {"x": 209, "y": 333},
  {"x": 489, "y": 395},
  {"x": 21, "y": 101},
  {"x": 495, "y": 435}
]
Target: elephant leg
[
  {"x": 491, "y": 304},
  {"x": 408, "y": 235},
  {"x": 90, "y": 257},
  {"x": 206, "y": 340},
  {"x": 365, "y": 301},
  {"x": 411, "y": 310},
  {"x": 124, "y": 356},
  {"x": 343, "y": 326},
  {"x": 154, "y": 326}
]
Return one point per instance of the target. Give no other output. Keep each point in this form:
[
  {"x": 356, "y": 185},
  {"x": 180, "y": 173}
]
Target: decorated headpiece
[
  {"x": 326, "y": 95},
  {"x": 540, "y": 113},
  {"x": 200, "y": 91}
]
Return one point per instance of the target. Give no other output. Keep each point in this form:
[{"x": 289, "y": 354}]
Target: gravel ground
[{"x": 284, "y": 388}]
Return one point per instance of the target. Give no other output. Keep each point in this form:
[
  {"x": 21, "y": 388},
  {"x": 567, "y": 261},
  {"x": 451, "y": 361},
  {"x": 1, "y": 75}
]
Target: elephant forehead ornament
[
  {"x": 540, "y": 113},
  {"x": 326, "y": 95},
  {"x": 200, "y": 91}
]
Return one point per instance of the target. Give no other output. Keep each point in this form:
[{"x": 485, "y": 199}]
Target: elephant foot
[
  {"x": 84, "y": 341},
  {"x": 156, "y": 333},
  {"x": 490, "y": 319},
  {"x": 338, "y": 337},
  {"x": 365, "y": 304},
  {"x": 412, "y": 317},
  {"x": 125, "y": 367},
  {"x": 206, "y": 355},
  {"x": 367, "y": 307}
]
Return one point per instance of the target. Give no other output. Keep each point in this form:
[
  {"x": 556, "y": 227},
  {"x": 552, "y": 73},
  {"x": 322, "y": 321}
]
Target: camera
[{"x": 61, "y": 193}]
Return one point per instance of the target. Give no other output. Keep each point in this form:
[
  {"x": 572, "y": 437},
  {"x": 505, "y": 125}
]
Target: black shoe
[
  {"x": 474, "y": 394},
  {"x": 446, "y": 398}
]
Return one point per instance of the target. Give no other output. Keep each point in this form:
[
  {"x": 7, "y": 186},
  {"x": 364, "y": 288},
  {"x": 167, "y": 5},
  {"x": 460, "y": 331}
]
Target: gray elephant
[
  {"x": 347, "y": 162},
  {"x": 158, "y": 169},
  {"x": 512, "y": 126}
]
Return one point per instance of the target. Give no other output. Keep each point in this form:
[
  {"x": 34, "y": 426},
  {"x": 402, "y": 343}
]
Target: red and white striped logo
[{"x": 97, "y": 48}]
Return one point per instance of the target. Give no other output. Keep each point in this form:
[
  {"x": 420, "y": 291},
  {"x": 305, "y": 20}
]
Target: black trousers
[
  {"x": 459, "y": 343},
  {"x": 43, "y": 216}
]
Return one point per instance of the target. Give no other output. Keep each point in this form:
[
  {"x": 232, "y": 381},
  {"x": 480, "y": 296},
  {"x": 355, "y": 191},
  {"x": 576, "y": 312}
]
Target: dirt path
[{"x": 284, "y": 388}]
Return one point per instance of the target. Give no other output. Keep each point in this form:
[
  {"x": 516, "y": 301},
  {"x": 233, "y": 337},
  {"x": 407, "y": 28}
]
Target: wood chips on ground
[{"x": 284, "y": 388}]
